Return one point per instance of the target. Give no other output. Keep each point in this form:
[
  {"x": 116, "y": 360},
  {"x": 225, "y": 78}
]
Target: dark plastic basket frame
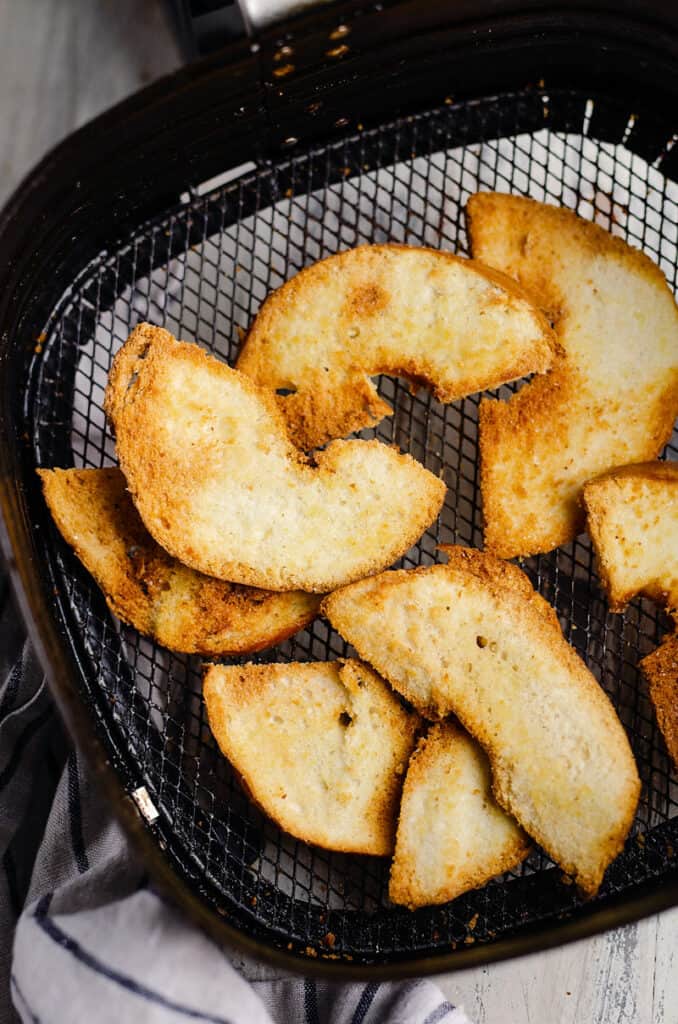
[{"x": 129, "y": 166}]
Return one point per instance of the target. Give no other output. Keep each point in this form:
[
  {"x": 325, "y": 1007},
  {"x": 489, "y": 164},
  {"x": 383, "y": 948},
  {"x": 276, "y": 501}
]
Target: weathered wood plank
[
  {"x": 665, "y": 998},
  {"x": 608, "y": 979}
]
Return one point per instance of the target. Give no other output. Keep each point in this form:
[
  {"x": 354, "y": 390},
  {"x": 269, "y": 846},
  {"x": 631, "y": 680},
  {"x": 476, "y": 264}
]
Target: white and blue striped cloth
[{"x": 85, "y": 938}]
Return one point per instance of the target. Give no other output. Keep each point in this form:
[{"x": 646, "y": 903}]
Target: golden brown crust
[
  {"x": 366, "y": 311},
  {"x": 632, "y": 517},
  {"x": 148, "y": 589},
  {"x": 440, "y": 855},
  {"x": 661, "y": 472},
  {"x": 553, "y": 739},
  {"x": 315, "y": 416},
  {"x": 612, "y": 394},
  {"x": 154, "y": 344},
  {"x": 220, "y": 486},
  {"x": 661, "y": 673},
  {"x": 321, "y": 747}
]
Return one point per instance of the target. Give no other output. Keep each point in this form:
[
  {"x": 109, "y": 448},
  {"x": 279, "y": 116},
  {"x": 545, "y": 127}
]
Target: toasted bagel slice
[
  {"x": 322, "y": 747},
  {"x": 661, "y": 674},
  {"x": 422, "y": 314},
  {"x": 219, "y": 485},
  {"x": 611, "y": 397},
  {"x": 452, "y": 835},
  {"x": 473, "y": 638},
  {"x": 148, "y": 589},
  {"x": 632, "y": 517}
]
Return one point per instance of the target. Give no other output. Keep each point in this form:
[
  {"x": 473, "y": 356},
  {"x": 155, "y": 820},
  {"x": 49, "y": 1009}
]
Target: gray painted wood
[
  {"x": 62, "y": 62},
  {"x": 626, "y": 976}
]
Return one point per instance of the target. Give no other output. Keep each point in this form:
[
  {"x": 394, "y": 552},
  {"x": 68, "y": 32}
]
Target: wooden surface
[{"x": 63, "y": 61}]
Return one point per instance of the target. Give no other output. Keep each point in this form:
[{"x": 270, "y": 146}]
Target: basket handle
[
  {"x": 261, "y": 14},
  {"x": 204, "y": 26}
]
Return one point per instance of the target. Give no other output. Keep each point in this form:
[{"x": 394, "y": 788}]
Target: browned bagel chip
[
  {"x": 322, "y": 747},
  {"x": 148, "y": 589},
  {"x": 452, "y": 835},
  {"x": 632, "y": 517},
  {"x": 612, "y": 394},
  {"x": 432, "y": 317},
  {"x": 661, "y": 674},
  {"x": 219, "y": 485}
]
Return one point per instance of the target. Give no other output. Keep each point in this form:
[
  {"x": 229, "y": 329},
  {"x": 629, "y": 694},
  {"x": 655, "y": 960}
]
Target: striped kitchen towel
[{"x": 84, "y": 936}]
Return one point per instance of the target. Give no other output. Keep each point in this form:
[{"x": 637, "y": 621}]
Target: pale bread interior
[
  {"x": 452, "y": 835},
  {"x": 322, "y": 747}
]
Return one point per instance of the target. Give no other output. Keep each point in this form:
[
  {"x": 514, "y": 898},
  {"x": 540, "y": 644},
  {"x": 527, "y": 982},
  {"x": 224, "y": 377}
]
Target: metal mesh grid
[{"x": 202, "y": 271}]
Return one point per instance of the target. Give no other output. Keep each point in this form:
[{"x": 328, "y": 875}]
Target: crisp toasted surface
[
  {"x": 473, "y": 638},
  {"x": 220, "y": 486},
  {"x": 661, "y": 672},
  {"x": 148, "y": 589},
  {"x": 632, "y": 517},
  {"x": 452, "y": 835},
  {"x": 418, "y": 313},
  {"x": 612, "y": 395},
  {"x": 321, "y": 747}
]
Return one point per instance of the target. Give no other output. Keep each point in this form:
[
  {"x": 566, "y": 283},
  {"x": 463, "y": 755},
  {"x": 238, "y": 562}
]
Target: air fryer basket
[{"x": 201, "y": 265}]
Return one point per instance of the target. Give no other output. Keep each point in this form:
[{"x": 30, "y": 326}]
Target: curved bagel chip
[
  {"x": 321, "y": 747},
  {"x": 423, "y": 314},
  {"x": 612, "y": 395},
  {"x": 146, "y": 588},
  {"x": 220, "y": 486},
  {"x": 473, "y": 638},
  {"x": 452, "y": 835}
]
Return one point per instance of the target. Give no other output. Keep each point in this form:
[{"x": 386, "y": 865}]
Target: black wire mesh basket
[{"x": 201, "y": 267}]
